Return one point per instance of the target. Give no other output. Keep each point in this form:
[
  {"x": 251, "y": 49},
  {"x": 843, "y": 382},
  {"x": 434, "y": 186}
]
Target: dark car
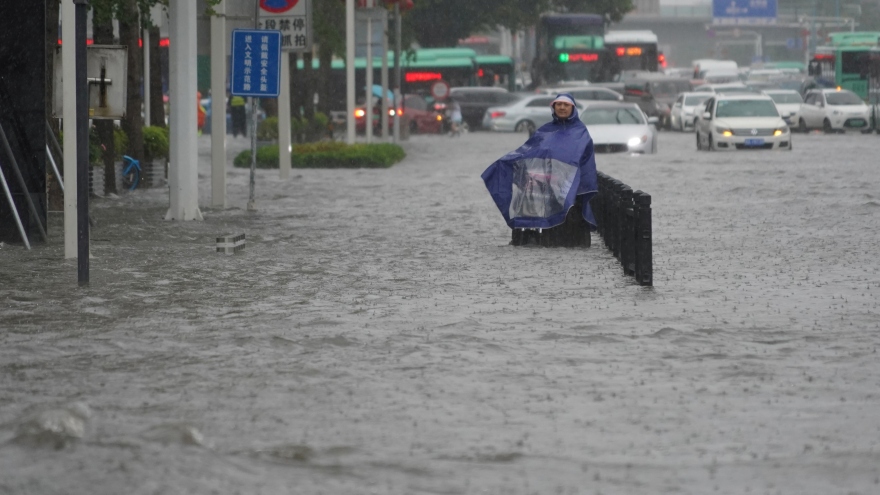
[
  {"x": 415, "y": 112},
  {"x": 655, "y": 95},
  {"x": 475, "y": 100}
]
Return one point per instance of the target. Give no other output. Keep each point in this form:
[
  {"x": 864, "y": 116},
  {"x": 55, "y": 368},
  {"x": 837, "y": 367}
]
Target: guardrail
[{"x": 624, "y": 220}]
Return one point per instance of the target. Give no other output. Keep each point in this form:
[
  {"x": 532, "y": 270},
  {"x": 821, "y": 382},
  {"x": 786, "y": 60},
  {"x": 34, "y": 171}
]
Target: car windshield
[
  {"x": 843, "y": 98},
  {"x": 613, "y": 116},
  {"x": 691, "y": 101},
  {"x": 787, "y": 98},
  {"x": 746, "y": 108}
]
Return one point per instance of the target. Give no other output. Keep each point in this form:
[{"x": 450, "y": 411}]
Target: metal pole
[
  {"x": 368, "y": 118},
  {"x": 398, "y": 104},
  {"x": 349, "y": 71},
  {"x": 218, "y": 106},
  {"x": 146, "y": 37},
  {"x": 384, "y": 75},
  {"x": 251, "y": 205},
  {"x": 68, "y": 51},
  {"x": 55, "y": 168},
  {"x": 27, "y": 196},
  {"x": 14, "y": 210},
  {"x": 82, "y": 146}
]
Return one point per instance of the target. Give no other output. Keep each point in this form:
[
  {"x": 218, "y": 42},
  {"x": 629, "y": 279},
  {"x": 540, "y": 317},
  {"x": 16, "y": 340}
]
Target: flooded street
[{"x": 378, "y": 335}]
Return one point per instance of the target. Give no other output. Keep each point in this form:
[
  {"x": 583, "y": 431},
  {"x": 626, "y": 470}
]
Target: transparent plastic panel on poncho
[{"x": 540, "y": 186}]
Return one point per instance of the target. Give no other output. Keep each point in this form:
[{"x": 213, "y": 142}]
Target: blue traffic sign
[
  {"x": 256, "y": 63},
  {"x": 744, "y": 11}
]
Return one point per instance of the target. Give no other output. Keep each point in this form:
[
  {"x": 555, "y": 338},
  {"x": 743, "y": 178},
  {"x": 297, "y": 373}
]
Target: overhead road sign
[
  {"x": 744, "y": 12},
  {"x": 256, "y": 60},
  {"x": 293, "y": 18}
]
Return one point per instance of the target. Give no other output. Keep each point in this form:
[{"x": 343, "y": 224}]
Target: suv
[
  {"x": 834, "y": 110},
  {"x": 475, "y": 100},
  {"x": 655, "y": 95}
]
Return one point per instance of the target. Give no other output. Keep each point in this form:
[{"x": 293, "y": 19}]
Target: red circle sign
[
  {"x": 277, "y": 6},
  {"x": 440, "y": 90}
]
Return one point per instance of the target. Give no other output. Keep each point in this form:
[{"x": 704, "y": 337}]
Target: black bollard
[{"x": 644, "y": 253}]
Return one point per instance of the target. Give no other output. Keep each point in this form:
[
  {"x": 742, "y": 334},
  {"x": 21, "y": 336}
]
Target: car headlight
[
  {"x": 780, "y": 131},
  {"x": 835, "y": 112},
  {"x": 635, "y": 141},
  {"x": 724, "y": 131}
]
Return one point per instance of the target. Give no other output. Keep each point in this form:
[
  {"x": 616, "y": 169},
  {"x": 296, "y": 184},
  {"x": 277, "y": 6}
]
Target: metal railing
[{"x": 624, "y": 220}]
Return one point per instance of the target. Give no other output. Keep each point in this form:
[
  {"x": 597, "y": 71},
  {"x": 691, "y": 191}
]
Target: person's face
[{"x": 562, "y": 109}]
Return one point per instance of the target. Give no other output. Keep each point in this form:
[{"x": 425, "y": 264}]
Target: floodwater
[{"x": 378, "y": 335}]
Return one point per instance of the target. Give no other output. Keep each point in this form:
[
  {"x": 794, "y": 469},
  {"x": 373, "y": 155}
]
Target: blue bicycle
[{"x": 131, "y": 173}]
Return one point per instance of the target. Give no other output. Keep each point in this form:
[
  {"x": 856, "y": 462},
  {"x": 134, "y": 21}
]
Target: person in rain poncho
[{"x": 536, "y": 185}]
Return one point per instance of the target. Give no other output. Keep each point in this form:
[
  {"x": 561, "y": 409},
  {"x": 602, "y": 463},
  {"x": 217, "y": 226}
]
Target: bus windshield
[{"x": 569, "y": 47}]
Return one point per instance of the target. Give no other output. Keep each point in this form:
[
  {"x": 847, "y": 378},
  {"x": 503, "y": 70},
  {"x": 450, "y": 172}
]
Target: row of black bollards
[{"x": 624, "y": 220}]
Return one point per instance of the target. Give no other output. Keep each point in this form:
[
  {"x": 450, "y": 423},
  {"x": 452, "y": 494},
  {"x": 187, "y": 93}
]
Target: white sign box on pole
[{"x": 106, "y": 70}]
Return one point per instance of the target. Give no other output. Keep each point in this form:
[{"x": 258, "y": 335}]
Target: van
[{"x": 706, "y": 65}]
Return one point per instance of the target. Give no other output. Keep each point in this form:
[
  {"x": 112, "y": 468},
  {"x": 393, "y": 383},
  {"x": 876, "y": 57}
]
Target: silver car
[
  {"x": 588, "y": 93},
  {"x": 683, "y": 114},
  {"x": 618, "y": 127},
  {"x": 524, "y": 115},
  {"x": 788, "y": 102}
]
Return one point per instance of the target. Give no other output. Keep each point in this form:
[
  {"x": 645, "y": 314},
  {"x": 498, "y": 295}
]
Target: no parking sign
[{"x": 293, "y": 18}]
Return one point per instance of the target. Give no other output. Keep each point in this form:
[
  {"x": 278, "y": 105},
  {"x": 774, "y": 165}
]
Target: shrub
[
  {"x": 267, "y": 129},
  {"x": 327, "y": 154},
  {"x": 157, "y": 144}
]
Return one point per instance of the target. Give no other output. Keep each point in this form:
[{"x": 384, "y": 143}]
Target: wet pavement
[{"x": 378, "y": 335}]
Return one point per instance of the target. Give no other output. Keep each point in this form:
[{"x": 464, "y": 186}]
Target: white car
[
  {"x": 524, "y": 115},
  {"x": 683, "y": 115},
  {"x": 726, "y": 88},
  {"x": 736, "y": 122},
  {"x": 788, "y": 102},
  {"x": 591, "y": 93},
  {"x": 834, "y": 110},
  {"x": 618, "y": 127}
]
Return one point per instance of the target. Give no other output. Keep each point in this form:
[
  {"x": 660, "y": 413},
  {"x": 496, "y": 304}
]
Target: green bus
[
  {"x": 496, "y": 70},
  {"x": 850, "y": 60}
]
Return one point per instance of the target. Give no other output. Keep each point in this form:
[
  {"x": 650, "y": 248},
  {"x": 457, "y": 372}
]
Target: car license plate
[
  {"x": 754, "y": 142},
  {"x": 857, "y": 123}
]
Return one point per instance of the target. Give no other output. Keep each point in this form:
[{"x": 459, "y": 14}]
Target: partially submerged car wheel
[
  {"x": 699, "y": 144},
  {"x": 802, "y": 126},
  {"x": 826, "y": 126},
  {"x": 525, "y": 126}
]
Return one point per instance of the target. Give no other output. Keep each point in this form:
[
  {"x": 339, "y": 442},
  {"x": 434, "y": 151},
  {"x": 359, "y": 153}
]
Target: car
[
  {"x": 619, "y": 127},
  {"x": 834, "y": 110},
  {"x": 474, "y": 100},
  {"x": 738, "y": 122},
  {"x": 415, "y": 113},
  {"x": 683, "y": 115},
  {"x": 591, "y": 93},
  {"x": 523, "y": 115},
  {"x": 788, "y": 102},
  {"x": 655, "y": 95},
  {"x": 726, "y": 88}
]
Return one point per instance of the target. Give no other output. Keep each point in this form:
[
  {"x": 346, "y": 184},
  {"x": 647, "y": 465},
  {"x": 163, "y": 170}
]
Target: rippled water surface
[{"x": 378, "y": 335}]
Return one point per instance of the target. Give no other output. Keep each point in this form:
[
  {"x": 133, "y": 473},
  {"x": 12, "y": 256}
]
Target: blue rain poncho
[{"x": 535, "y": 185}]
